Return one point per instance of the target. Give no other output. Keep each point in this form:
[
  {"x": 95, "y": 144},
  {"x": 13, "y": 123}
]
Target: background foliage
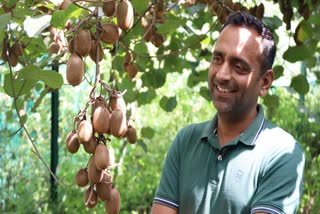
[{"x": 168, "y": 92}]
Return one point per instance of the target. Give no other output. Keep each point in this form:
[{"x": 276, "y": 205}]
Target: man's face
[{"x": 234, "y": 76}]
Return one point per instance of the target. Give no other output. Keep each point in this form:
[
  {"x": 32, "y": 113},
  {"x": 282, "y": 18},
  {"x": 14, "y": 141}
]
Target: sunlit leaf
[
  {"x": 278, "y": 71},
  {"x": 154, "y": 78},
  {"x": 20, "y": 86},
  {"x": 300, "y": 84},
  {"x": 172, "y": 25},
  {"x": 59, "y": 17},
  {"x": 168, "y": 103},
  {"x": 52, "y": 78},
  {"x": 297, "y": 53},
  {"x": 204, "y": 92},
  {"x": 146, "y": 97},
  {"x": 4, "y": 20},
  {"x": 147, "y": 132},
  {"x": 271, "y": 101}
]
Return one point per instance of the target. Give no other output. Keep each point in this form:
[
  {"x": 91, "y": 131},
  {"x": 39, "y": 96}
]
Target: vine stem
[{"x": 35, "y": 151}]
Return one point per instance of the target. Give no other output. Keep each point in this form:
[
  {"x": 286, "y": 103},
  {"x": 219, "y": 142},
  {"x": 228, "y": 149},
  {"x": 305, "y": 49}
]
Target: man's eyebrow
[{"x": 217, "y": 53}]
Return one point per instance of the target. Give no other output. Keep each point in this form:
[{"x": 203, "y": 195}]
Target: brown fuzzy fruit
[
  {"x": 116, "y": 101},
  {"x": 85, "y": 131},
  {"x": 157, "y": 40},
  {"x": 90, "y": 147},
  {"x": 13, "y": 59},
  {"x": 17, "y": 49},
  {"x": 82, "y": 42},
  {"x": 132, "y": 70},
  {"x": 110, "y": 33},
  {"x": 99, "y": 101},
  {"x": 94, "y": 175},
  {"x": 103, "y": 188},
  {"x": 90, "y": 197},
  {"x": 72, "y": 142},
  {"x": 131, "y": 135},
  {"x": 93, "y": 51},
  {"x": 53, "y": 48},
  {"x": 125, "y": 14},
  {"x": 118, "y": 123},
  {"x": 101, "y": 157},
  {"x": 81, "y": 178},
  {"x": 71, "y": 46},
  {"x": 112, "y": 206},
  {"x": 109, "y": 8},
  {"x": 101, "y": 120},
  {"x": 128, "y": 57},
  {"x": 75, "y": 70}
]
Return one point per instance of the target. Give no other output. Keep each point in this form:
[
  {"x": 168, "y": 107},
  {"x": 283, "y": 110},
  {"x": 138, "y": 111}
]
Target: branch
[{"x": 36, "y": 151}]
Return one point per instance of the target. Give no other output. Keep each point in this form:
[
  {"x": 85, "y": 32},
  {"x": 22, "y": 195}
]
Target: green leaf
[
  {"x": 146, "y": 97},
  {"x": 36, "y": 24},
  {"x": 196, "y": 77},
  {"x": 168, "y": 103},
  {"x": 147, "y": 132},
  {"x": 204, "y": 92},
  {"x": 278, "y": 71},
  {"x": 143, "y": 145},
  {"x": 297, "y": 53},
  {"x": 303, "y": 32},
  {"x": 140, "y": 6},
  {"x": 314, "y": 19},
  {"x": 271, "y": 101},
  {"x": 154, "y": 78},
  {"x": 300, "y": 84},
  {"x": 272, "y": 22},
  {"x": 21, "y": 87},
  {"x": 4, "y": 20},
  {"x": 52, "y": 78},
  {"x": 141, "y": 48},
  {"x": 171, "y": 25},
  {"x": 59, "y": 17}
]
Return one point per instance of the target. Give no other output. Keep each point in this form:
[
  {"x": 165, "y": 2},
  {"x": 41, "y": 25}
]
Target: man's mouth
[{"x": 223, "y": 90}]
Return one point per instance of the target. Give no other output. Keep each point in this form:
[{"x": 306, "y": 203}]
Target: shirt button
[{"x": 219, "y": 157}]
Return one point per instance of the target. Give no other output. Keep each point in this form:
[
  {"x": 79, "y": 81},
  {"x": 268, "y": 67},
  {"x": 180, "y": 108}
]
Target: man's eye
[{"x": 216, "y": 60}]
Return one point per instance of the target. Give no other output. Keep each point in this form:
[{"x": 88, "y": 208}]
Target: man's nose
[{"x": 224, "y": 72}]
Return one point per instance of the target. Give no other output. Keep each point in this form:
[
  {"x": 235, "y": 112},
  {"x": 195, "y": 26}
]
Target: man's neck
[{"x": 229, "y": 127}]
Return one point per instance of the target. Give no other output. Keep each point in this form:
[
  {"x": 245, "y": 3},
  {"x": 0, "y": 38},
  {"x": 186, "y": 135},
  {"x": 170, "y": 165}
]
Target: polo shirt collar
[{"x": 248, "y": 137}]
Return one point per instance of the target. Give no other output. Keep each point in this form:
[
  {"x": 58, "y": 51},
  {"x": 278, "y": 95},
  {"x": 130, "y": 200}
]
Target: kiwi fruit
[
  {"x": 131, "y": 134},
  {"x": 95, "y": 175},
  {"x": 101, "y": 156},
  {"x": 101, "y": 120},
  {"x": 132, "y": 70},
  {"x": 17, "y": 49},
  {"x": 103, "y": 188},
  {"x": 93, "y": 51},
  {"x": 90, "y": 147},
  {"x": 82, "y": 178},
  {"x": 118, "y": 123},
  {"x": 116, "y": 101},
  {"x": 82, "y": 42},
  {"x": 53, "y": 48},
  {"x": 112, "y": 206},
  {"x": 72, "y": 142},
  {"x": 85, "y": 131},
  {"x": 71, "y": 46},
  {"x": 108, "y": 8},
  {"x": 75, "y": 70},
  {"x": 125, "y": 14},
  {"x": 110, "y": 33},
  {"x": 90, "y": 197},
  {"x": 13, "y": 59}
]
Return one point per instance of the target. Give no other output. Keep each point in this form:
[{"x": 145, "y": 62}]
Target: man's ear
[{"x": 266, "y": 82}]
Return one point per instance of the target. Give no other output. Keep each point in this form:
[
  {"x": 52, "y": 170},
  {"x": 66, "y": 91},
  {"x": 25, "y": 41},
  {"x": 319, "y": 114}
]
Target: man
[{"x": 238, "y": 162}]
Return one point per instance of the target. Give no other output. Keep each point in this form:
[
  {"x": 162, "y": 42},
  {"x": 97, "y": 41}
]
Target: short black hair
[{"x": 269, "y": 46}]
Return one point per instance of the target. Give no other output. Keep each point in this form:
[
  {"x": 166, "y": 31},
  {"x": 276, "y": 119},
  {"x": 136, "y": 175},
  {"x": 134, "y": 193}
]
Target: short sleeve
[
  {"x": 280, "y": 185},
  {"x": 168, "y": 190}
]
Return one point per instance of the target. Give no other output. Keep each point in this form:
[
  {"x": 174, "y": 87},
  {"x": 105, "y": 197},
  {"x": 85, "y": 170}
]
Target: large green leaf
[
  {"x": 271, "y": 101},
  {"x": 297, "y": 53},
  {"x": 20, "y": 86},
  {"x": 300, "y": 84},
  {"x": 147, "y": 132},
  {"x": 140, "y": 6},
  {"x": 52, "y": 78},
  {"x": 154, "y": 78},
  {"x": 4, "y": 20},
  {"x": 59, "y": 17},
  {"x": 204, "y": 92},
  {"x": 146, "y": 97},
  {"x": 168, "y": 103},
  {"x": 314, "y": 19}
]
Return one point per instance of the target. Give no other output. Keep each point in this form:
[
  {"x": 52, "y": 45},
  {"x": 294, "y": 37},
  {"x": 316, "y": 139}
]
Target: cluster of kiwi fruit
[
  {"x": 85, "y": 43},
  {"x": 108, "y": 116},
  {"x": 153, "y": 16},
  {"x": 107, "y": 119}
]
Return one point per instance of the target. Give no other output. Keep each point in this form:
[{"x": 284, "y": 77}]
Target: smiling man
[{"x": 238, "y": 162}]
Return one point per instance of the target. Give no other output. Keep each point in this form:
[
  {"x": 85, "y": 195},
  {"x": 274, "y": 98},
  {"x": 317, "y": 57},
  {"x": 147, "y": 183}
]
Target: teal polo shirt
[{"x": 259, "y": 171}]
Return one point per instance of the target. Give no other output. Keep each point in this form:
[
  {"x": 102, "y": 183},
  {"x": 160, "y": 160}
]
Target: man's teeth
[{"x": 224, "y": 90}]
